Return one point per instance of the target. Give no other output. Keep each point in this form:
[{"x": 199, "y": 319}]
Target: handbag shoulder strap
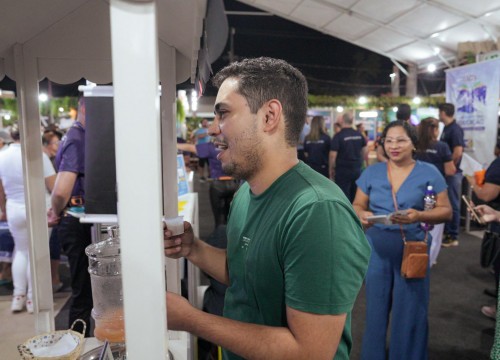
[{"x": 396, "y": 204}]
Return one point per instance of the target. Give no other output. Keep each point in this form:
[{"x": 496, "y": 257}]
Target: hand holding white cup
[{"x": 175, "y": 224}]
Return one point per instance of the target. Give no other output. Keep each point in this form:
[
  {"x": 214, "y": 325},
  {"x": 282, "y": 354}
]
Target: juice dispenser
[{"x": 106, "y": 279}]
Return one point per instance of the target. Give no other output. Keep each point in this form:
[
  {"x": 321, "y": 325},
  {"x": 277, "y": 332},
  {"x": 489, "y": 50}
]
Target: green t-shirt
[{"x": 298, "y": 244}]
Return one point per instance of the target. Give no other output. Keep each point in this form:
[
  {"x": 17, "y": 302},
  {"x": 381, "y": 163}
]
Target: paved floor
[{"x": 17, "y": 328}]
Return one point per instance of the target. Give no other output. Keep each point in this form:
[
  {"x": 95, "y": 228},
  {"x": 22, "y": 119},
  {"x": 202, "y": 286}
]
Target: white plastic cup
[{"x": 175, "y": 224}]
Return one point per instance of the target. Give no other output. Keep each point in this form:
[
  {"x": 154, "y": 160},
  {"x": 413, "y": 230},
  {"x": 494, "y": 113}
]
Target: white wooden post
[
  {"x": 138, "y": 169},
  {"x": 34, "y": 186}
]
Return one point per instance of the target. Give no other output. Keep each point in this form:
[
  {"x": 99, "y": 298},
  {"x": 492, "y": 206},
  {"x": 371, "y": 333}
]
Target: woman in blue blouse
[{"x": 387, "y": 292}]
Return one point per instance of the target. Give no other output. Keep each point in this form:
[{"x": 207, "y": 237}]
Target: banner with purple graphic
[{"x": 474, "y": 90}]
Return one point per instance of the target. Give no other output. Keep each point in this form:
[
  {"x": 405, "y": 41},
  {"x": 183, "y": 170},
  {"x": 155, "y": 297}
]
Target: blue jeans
[
  {"x": 454, "y": 193},
  {"x": 393, "y": 302}
]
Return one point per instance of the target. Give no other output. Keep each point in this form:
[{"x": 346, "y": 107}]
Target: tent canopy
[
  {"x": 417, "y": 32},
  {"x": 71, "y": 39}
]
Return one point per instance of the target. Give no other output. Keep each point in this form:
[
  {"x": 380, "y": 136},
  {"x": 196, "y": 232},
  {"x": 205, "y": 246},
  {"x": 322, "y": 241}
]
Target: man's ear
[{"x": 272, "y": 114}]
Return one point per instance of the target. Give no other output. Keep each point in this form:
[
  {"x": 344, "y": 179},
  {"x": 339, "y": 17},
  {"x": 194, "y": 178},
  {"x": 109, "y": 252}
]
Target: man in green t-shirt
[{"x": 297, "y": 254}]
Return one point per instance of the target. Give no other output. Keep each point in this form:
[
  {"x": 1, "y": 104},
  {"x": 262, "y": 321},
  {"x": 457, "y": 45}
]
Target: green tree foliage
[{"x": 49, "y": 109}]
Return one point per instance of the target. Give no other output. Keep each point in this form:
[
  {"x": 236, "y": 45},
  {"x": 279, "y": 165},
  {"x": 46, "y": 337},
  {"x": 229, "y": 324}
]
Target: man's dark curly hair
[{"x": 263, "y": 79}]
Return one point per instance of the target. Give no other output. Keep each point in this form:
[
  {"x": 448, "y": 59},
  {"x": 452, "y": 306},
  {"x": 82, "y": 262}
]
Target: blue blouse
[{"x": 375, "y": 183}]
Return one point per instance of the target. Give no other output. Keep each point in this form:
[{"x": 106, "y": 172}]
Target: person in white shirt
[{"x": 12, "y": 204}]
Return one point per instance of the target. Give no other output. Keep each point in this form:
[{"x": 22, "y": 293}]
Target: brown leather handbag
[{"x": 415, "y": 259}]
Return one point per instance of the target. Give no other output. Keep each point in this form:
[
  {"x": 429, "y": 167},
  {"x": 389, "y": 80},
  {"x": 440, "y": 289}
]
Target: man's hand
[
  {"x": 179, "y": 245},
  {"x": 3, "y": 216},
  {"x": 487, "y": 213},
  {"x": 52, "y": 218}
]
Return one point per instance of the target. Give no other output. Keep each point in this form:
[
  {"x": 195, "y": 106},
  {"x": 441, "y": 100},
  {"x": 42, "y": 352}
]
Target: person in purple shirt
[
  {"x": 75, "y": 237},
  {"x": 222, "y": 187}
]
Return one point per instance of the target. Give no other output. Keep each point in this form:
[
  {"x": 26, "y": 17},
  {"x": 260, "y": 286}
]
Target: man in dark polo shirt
[
  {"x": 453, "y": 135},
  {"x": 75, "y": 237},
  {"x": 222, "y": 187},
  {"x": 347, "y": 153}
]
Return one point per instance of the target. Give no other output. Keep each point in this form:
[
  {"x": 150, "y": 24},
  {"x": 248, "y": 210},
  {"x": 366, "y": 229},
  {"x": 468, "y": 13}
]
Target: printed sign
[
  {"x": 474, "y": 90},
  {"x": 182, "y": 179}
]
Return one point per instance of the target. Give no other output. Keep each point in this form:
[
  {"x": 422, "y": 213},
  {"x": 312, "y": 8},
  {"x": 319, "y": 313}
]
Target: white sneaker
[
  {"x": 18, "y": 302},
  {"x": 29, "y": 306}
]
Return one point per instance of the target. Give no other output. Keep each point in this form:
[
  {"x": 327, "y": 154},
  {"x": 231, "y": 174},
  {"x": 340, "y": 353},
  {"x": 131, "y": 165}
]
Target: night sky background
[{"x": 332, "y": 66}]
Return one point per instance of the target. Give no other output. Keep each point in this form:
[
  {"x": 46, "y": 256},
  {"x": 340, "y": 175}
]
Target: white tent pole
[
  {"x": 168, "y": 130},
  {"x": 169, "y": 150},
  {"x": 138, "y": 169},
  {"x": 34, "y": 185}
]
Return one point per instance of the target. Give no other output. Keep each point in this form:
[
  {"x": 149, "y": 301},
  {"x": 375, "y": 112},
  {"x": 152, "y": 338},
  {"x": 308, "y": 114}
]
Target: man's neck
[
  {"x": 272, "y": 170},
  {"x": 448, "y": 121}
]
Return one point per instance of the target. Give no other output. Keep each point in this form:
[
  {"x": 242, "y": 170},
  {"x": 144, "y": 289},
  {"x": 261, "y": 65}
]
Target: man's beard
[{"x": 250, "y": 161}]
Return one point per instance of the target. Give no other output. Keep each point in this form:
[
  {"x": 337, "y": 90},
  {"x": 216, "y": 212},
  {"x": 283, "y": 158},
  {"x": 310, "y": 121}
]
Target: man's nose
[{"x": 214, "y": 128}]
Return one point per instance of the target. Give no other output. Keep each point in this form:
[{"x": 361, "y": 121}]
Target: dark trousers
[
  {"x": 221, "y": 194},
  {"x": 346, "y": 178},
  {"x": 454, "y": 194},
  {"x": 54, "y": 245},
  {"x": 75, "y": 237},
  {"x": 495, "y": 227}
]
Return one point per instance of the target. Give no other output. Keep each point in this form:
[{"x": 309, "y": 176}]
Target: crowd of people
[{"x": 301, "y": 212}]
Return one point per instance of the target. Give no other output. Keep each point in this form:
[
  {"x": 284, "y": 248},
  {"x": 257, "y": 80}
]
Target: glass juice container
[{"x": 106, "y": 279}]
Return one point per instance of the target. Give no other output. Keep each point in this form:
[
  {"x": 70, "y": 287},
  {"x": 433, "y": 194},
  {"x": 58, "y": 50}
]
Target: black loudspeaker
[{"x": 100, "y": 164}]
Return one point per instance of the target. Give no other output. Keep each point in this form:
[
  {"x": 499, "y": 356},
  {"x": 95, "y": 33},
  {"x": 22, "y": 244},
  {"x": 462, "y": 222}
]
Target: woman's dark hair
[
  {"x": 426, "y": 134},
  {"x": 409, "y": 129},
  {"x": 14, "y": 133}
]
